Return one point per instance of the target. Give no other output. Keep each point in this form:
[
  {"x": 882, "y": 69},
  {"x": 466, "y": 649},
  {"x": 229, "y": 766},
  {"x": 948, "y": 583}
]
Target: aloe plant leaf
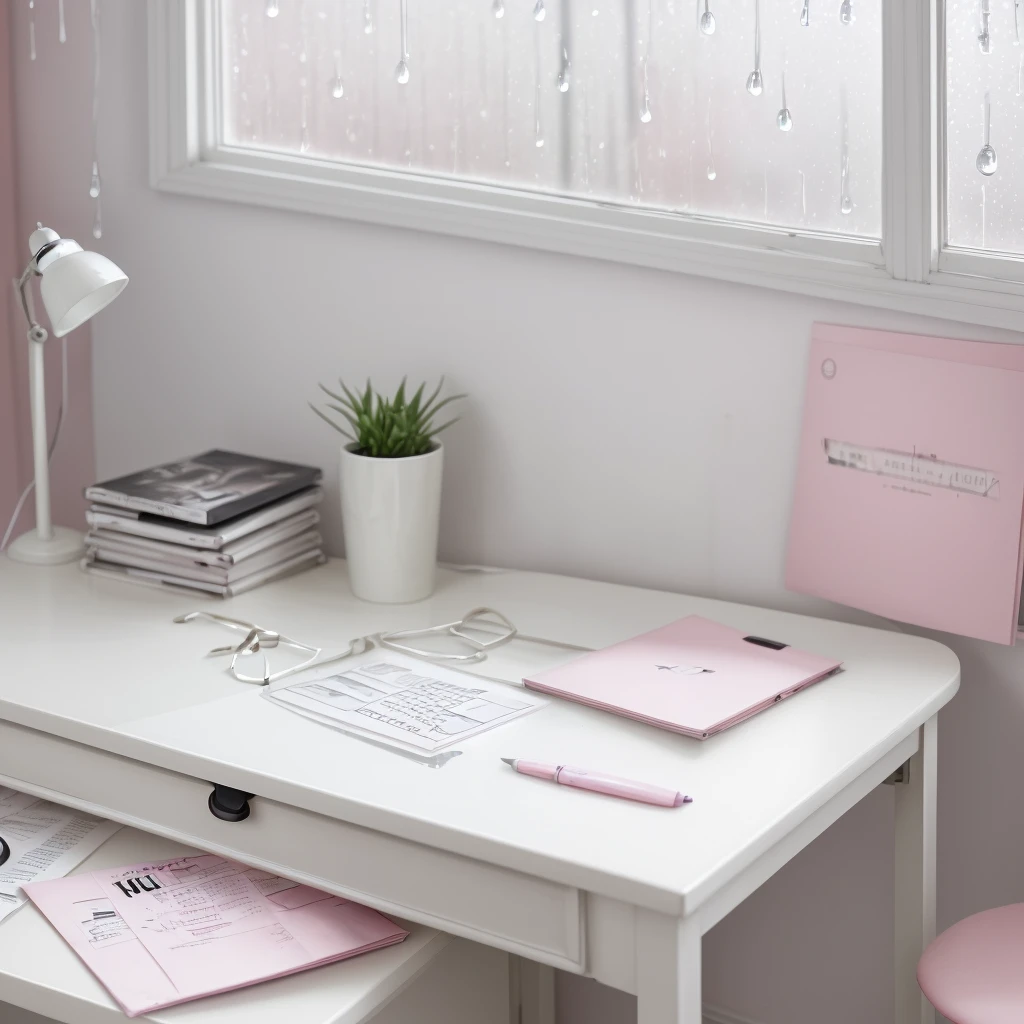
[
  {"x": 430, "y": 401},
  {"x": 444, "y": 426},
  {"x": 348, "y": 416},
  {"x": 327, "y": 419},
  {"x": 414, "y": 403},
  {"x": 327, "y": 391},
  {"x": 425, "y": 417}
]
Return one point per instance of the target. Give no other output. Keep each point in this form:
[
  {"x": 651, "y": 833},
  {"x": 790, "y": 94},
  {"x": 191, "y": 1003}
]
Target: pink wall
[
  {"x": 9, "y": 476},
  {"x": 51, "y": 163}
]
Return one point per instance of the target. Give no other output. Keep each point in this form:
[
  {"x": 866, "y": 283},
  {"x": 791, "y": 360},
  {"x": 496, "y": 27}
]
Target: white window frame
[{"x": 910, "y": 270}]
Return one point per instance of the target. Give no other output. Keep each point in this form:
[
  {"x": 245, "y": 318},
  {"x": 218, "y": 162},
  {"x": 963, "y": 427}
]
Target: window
[
  {"x": 619, "y": 101},
  {"x": 829, "y": 147},
  {"x": 984, "y": 129}
]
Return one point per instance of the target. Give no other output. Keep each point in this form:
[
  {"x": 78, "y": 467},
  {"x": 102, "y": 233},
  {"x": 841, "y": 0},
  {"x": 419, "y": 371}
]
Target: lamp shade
[{"x": 77, "y": 286}]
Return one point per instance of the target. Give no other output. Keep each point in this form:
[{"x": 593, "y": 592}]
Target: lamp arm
[{"x": 36, "y": 332}]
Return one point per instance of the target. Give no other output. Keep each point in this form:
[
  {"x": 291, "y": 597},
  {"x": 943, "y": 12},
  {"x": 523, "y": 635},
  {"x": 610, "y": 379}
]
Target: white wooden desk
[{"x": 106, "y": 705}]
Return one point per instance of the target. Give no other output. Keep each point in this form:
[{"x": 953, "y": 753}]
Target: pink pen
[{"x": 597, "y": 783}]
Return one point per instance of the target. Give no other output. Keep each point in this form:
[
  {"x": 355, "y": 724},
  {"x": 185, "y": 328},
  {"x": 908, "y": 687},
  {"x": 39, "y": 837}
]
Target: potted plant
[{"x": 390, "y": 476}]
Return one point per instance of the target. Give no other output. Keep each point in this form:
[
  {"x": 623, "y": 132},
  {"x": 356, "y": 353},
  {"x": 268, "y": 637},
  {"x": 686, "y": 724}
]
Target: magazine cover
[{"x": 205, "y": 489}]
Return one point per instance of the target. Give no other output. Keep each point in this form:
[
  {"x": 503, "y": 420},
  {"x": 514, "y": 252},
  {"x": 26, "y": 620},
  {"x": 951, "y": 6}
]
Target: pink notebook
[
  {"x": 160, "y": 934},
  {"x": 693, "y": 676}
]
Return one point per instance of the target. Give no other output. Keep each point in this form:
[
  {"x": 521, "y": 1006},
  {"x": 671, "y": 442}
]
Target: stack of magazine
[{"x": 221, "y": 523}]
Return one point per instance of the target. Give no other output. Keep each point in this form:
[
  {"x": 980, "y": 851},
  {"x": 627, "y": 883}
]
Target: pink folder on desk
[
  {"x": 160, "y": 934},
  {"x": 693, "y": 676},
  {"x": 909, "y": 497}
]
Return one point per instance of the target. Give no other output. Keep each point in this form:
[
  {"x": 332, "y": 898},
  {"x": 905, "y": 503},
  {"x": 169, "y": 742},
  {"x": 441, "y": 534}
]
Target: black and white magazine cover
[{"x": 206, "y": 488}]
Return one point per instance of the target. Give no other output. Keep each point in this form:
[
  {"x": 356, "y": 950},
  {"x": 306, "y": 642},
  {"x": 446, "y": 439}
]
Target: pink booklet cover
[
  {"x": 160, "y": 934},
  {"x": 693, "y": 676}
]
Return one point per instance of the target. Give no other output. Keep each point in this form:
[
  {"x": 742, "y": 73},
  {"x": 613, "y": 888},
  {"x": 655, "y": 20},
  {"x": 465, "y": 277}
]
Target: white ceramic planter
[{"x": 390, "y": 510}]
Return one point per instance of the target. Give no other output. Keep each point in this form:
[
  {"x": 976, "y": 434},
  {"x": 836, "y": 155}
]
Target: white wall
[{"x": 624, "y": 424}]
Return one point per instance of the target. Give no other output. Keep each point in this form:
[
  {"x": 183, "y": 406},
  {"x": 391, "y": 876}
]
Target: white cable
[{"x": 61, "y": 412}]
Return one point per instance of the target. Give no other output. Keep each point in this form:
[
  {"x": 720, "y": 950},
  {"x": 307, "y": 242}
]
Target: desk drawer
[{"x": 496, "y": 906}]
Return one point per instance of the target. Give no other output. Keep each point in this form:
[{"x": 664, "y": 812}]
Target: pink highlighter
[{"x": 597, "y": 783}]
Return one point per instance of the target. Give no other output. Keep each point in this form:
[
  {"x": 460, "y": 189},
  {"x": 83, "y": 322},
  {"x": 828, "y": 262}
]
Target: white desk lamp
[{"x": 75, "y": 286}]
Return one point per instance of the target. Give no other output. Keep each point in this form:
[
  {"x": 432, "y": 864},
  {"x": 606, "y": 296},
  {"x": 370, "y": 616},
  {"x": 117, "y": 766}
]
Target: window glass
[
  {"x": 984, "y": 125},
  {"x": 627, "y": 102}
]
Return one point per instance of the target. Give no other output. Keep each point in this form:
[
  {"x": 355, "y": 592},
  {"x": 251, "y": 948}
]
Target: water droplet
[
  {"x": 498, "y": 8},
  {"x": 337, "y": 88},
  {"x": 94, "y": 181},
  {"x": 645, "y": 112},
  {"x": 755, "y": 82},
  {"x": 273, "y": 9},
  {"x": 846, "y": 15},
  {"x": 712, "y": 173},
  {"x": 784, "y": 120},
  {"x": 707, "y": 23},
  {"x": 97, "y": 223},
  {"x": 846, "y": 205},
  {"x": 539, "y": 11},
  {"x": 367, "y": 18},
  {"x": 62, "y": 32},
  {"x": 805, "y": 14},
  {"x": 402, "y": 72},
  {"x": 987, "y": 161},
  {"x": 985, "y": 39},
  {"x": 564, "y": 73}
]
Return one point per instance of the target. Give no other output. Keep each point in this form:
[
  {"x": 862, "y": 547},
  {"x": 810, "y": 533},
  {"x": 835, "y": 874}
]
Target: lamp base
[{"x": 66, "y": 546}]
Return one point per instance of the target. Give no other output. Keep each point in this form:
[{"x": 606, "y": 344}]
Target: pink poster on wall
[{"x": 910, "y": 486}]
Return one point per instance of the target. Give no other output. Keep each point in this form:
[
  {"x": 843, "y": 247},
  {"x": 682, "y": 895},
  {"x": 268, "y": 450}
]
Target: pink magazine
[
  {"x": 910, "y": 483},
  {"x": 693, "y": 676},
  {"x": 160, "y": 934}
]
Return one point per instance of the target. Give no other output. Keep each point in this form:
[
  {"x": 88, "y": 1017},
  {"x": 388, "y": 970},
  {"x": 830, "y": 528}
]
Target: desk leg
[
  {"x": 915, "y": 877},
  {"x": 667, "y": 969}
]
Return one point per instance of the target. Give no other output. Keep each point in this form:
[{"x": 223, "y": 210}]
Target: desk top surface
[{"x": 101, "y": 662}]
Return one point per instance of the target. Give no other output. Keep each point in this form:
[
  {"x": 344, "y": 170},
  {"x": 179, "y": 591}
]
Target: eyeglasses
[
  {"x": 257, "y": 638},
  {"x": 497, "y": 630},
  {"x": 479, "y": 620}
]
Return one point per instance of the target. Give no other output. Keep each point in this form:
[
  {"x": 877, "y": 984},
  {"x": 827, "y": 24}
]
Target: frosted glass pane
[
  {"x": 984, "y": 211},
  {"x": 656, "y": 114}
]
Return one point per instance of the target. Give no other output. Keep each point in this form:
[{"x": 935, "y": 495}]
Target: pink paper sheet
[{"x": 160, "y": 934}]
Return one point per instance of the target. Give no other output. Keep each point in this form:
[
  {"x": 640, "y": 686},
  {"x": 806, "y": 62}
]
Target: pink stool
[{"x": 973, "y": 973}]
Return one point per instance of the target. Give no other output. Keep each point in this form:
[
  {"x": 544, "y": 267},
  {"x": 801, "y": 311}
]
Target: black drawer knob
[{"x": 229, "y": 804}]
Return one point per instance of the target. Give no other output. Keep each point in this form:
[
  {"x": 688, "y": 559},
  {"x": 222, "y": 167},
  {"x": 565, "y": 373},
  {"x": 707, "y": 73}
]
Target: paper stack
[
  {"x": 221, "y": 523},
  {"x": 164, "y": 933}
]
